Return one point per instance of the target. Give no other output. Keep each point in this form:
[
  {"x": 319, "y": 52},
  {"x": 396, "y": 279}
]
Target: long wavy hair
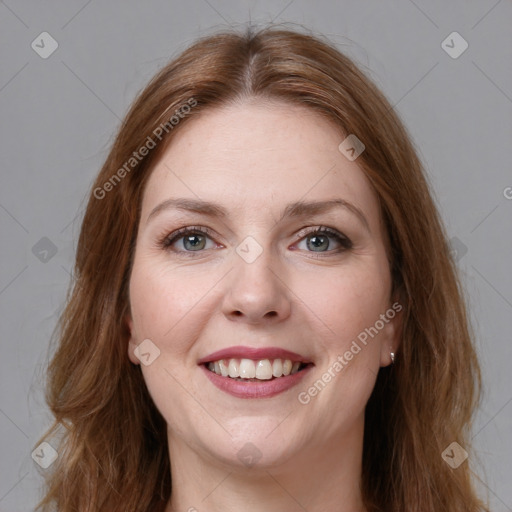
[{"x": 112, "y": 441}]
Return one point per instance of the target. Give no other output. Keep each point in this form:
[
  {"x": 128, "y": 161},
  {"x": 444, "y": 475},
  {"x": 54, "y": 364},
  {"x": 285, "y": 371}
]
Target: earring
[{"x": 392, "y": 358}]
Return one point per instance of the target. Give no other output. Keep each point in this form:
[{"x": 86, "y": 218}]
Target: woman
[{"x": 265, "y": 314}]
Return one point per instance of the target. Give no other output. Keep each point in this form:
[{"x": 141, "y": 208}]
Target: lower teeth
[{"x": 252, "y": 380}]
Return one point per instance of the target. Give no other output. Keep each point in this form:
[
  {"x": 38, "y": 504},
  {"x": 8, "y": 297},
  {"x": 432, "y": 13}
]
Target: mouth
[{"x": 246, "y": 372}]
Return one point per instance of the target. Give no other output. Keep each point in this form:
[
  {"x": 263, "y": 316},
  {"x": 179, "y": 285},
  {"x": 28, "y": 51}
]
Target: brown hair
[{"x": 113, "y": 454}]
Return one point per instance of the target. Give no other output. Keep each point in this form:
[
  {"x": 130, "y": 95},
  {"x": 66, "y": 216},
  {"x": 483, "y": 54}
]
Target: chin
[{"x": 253, "y": 447}]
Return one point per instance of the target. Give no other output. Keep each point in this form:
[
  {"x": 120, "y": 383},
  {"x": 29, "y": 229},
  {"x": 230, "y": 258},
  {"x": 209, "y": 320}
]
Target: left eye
[{"x": 318, "y": 240}]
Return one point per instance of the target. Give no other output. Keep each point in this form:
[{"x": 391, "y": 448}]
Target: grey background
[{"x": 58, "y": 117}]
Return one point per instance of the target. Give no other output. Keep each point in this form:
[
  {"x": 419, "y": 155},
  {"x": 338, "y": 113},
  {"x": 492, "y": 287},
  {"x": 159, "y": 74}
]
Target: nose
[{"x": 257, "y": 292}]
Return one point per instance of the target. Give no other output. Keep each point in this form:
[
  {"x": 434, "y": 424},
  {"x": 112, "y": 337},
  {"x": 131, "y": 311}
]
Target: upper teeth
[{"x": 263, "y": 369}]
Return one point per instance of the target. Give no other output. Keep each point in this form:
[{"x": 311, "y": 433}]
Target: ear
[
  {"x": 391, "y": 334},
  {"x": 132, "y": 343}
]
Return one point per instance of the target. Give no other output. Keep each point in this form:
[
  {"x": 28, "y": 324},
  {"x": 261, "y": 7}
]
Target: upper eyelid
[
  {"x": 181, "y": 232},
  {"x": 319, "y": 228}
]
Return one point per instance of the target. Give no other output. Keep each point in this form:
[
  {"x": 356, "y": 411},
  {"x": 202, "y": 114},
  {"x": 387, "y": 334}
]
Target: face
[{"x": 258, "y": 274}]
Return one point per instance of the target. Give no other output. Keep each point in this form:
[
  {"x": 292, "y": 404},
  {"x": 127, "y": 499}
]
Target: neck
[{"x": 325, "y": 475}]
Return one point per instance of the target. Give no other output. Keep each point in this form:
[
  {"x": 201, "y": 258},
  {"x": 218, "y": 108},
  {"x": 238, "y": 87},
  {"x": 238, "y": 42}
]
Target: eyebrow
[{"x": 292, "y": 210}]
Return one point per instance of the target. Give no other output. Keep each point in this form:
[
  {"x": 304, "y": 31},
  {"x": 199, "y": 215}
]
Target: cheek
[
  {"x": 345, "y": 301},
  {"x": 165, "y": 301},
  {"x": 343, "y": 304}
]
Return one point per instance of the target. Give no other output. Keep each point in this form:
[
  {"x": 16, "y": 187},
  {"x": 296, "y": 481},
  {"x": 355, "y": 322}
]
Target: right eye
[{"x": 191, "y": 239}]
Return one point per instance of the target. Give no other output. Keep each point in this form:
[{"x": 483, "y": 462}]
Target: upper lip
[{"x": 255, "y": 354}]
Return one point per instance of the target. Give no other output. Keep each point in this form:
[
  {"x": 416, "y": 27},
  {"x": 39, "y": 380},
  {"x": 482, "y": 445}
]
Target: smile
[{"x": 255, "y": 372}]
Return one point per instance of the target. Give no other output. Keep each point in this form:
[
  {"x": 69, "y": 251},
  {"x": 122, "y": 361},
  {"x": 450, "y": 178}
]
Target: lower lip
[{"x": 263, "y": 389}]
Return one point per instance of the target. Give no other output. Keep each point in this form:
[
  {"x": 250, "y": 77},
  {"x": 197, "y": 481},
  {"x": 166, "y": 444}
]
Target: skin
[{"x": 254, "y": 158}]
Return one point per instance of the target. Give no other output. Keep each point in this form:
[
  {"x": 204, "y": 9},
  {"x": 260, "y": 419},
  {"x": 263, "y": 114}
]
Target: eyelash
[{"x": 343, "y": 240}]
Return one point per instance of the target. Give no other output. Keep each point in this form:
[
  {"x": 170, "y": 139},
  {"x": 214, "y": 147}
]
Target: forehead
[{"x": 258, "y": 155}]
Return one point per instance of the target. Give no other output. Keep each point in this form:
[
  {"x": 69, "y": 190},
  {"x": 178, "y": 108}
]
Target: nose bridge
[{"x": 256, "y": 290}]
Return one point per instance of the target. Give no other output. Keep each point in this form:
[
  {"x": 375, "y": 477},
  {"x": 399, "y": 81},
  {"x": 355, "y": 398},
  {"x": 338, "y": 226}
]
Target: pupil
[
  {"x": 197, "y": 244},
  {"x": 317, "y": 242}
]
